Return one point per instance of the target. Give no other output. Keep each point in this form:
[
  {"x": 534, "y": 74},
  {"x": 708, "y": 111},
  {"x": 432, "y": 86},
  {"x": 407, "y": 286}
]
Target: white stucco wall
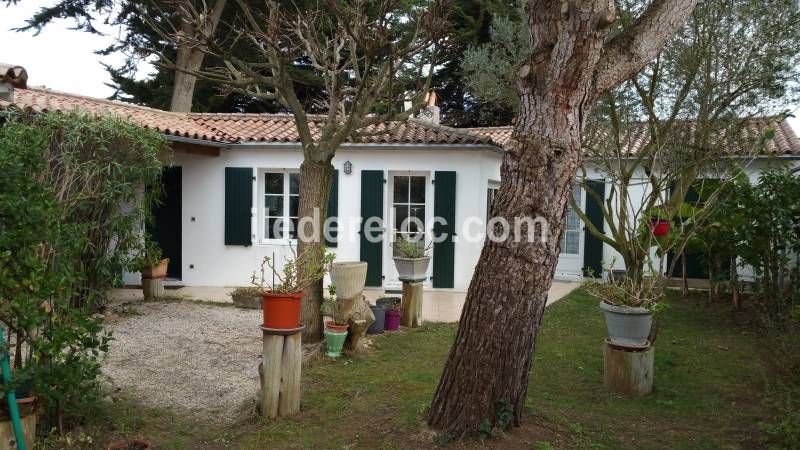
[{"x": 207, "y": 261}]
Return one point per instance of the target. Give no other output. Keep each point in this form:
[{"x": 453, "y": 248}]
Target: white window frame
[
  {"x": 579, "y": 230},
  {"x": 389, "y": 269},
  {"x": 492, "y": 186},
  {"x": 262, "y": 205}
]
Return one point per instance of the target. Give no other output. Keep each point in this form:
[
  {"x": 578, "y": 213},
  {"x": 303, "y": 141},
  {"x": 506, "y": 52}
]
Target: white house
[{"x": 236, "y": 174}]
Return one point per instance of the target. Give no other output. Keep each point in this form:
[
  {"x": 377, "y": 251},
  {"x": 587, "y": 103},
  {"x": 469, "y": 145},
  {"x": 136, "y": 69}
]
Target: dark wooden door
[{"x": 166, "y": 228}]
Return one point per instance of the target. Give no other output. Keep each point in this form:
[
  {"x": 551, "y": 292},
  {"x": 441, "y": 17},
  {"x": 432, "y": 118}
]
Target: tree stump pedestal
[
  {"x": 153, "y": 288},
  {"x": 628, "y": 371},
  {"x": 412, "y": 304},
  {"x": 279, "y": 373}
]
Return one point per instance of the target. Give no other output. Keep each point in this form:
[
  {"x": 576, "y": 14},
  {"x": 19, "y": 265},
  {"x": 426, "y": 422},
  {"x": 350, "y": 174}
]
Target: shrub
[{"x": 72, "y": 206}]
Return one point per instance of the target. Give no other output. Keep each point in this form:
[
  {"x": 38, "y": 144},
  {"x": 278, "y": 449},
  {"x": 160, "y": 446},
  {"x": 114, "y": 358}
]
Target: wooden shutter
[
  {"x": 333, "y": 208},
  {"x": 592, "y": 246},
  {"x": 444, "y": 206},
  {"x": 238, "y": 204},
  {"x": 372, "y": 206}
]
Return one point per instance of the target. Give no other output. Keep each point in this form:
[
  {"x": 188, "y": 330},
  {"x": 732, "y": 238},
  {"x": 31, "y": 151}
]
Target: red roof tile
[{"x": 236, "y": 128}]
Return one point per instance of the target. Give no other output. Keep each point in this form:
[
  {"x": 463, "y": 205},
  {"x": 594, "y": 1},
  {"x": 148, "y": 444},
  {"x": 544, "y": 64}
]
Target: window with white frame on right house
[{"x": 571, "y": 239}]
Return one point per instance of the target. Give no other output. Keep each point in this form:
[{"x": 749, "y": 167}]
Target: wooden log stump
[
  {"x": 356, "y": 331},
  {"x": 412, "y": 304},
  {"x": 628, "y": 371},
  {"x": 152, "y": 288},
  {"x": 8, "y": 439},
  {"x": 279, "y": 372}
]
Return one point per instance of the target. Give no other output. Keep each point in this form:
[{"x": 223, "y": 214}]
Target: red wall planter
[
  {"x": 281, "y": 311},
  {"x": 659, "y": 227}
]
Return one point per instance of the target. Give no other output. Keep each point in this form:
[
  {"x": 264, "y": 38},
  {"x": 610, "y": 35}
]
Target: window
[
  {"x": 491, "y": 193},
  {"x": 408, "y": 200},
  {"x": 570, "y": 240},
  {"x": 281, "y": 201}
]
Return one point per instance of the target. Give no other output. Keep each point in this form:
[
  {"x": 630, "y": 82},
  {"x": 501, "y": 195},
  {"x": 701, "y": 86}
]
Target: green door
[
  {"x": 166, "y": 227},
  {"x": 372, "y": 206},
  {"x": 592, "y": 246},
  {"x": 444, "y": 206}
]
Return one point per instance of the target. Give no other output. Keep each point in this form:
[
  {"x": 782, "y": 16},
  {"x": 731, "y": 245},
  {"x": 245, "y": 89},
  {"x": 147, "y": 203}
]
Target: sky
[{"x": 64, "y": 59}]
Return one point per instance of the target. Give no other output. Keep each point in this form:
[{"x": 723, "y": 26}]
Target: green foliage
[
  {"x": 296, "y": 274},
  {"x": 409, "y": 248},
  {"x": 71, "y": 213},
  {"x": 503, "y": 420}
]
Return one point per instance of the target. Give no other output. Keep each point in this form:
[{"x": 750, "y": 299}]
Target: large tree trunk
[
  {"x": 315, "y": 182},
  {"x": 189, "y": 59},
  {"x": 491, "y": 357}
]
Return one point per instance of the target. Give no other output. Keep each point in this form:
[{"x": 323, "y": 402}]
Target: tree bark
[
  {"x": 315, "y": 181},
  {"x": 189, "y": 59},
  {"x": 490, "y": 360}
]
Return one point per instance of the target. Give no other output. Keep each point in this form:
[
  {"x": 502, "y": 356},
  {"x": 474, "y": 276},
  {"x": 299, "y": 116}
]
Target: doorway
[{"x": 166, "y": 226}]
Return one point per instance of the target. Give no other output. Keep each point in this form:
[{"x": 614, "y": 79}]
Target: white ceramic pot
[
  {"x": 412, "y": 269},
  {"x": 349, "y": 278}
]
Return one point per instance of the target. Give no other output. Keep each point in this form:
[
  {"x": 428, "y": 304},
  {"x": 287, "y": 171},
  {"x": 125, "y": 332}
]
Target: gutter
[
  {"x": 371, "y": 146},
  {"x": 194, "y": 141}
]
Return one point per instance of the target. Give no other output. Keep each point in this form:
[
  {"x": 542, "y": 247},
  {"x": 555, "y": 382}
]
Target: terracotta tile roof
[
  {"x": 785, "y": 142},
  {"x": 237, "y": 128}
]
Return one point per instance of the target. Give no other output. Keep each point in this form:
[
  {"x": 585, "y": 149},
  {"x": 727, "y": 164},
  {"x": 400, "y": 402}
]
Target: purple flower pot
[{"x": 392, "y": 322}]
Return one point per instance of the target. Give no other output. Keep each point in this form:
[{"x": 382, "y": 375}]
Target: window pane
[
  {"x": 573, "y": 221},
  {"x": 273, "y": 205},
  {"x": 417, "y": 189},
  {"x": 273, "y": 183},
  {"x": 400, "y": 214},
  {"x": 401, "y": 189},
  {"x": 294, "y": 183},
  {"x": 417, "y": 211},
  {"x": 273, "y": 230},
  {"x": 293, "y": 230},
  {"x": 572, "y": 242},
  {"x": 294, "y": 203},
  {"x": 576, "y": 194}
]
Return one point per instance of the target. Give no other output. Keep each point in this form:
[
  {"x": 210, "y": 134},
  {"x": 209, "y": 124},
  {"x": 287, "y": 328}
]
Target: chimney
[
  {"x": 430, "y": 112},
  {"x": 11, "y": 77}
]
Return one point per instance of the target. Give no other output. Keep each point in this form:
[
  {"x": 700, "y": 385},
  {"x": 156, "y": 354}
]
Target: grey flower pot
[
  {"x": 380, "y": 318},
  {"x": 412, "y": 269},
  {"x": 627, "y": 326}
]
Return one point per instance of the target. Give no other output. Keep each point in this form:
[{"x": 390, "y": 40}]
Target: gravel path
[{"x": 189, "y": 357}]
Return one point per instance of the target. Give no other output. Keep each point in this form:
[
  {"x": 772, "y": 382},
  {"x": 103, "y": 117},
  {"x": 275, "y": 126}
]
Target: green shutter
[
  {"x": 333, "y": 208},
  {"x": 444, "y": 206},
  {"x": 592, "y": 246},
  {"x": 238, "y": 203},
  {"x": 372, "y": 206}
]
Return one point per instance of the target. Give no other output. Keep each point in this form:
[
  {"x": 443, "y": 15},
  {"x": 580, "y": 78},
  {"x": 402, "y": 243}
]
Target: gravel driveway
[{"x": 193, "y": 358}]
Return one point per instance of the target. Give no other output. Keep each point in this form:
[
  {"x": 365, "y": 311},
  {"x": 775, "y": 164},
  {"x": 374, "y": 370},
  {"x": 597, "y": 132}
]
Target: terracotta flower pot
[
  {"x": 157, "y": 271},
  {"x": 281, "y": 311},
  {"x": 337, "y": 328}
]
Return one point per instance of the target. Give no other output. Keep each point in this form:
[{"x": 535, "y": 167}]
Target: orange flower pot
[{"x": 281, "y": 311}]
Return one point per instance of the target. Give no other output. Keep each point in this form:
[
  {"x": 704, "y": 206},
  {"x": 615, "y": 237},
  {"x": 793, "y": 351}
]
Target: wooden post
[
  {"x": 628, "y": 371},
  {"x": 153, "y": 288},
  {"x": 412, "y": 304},
  {"x": 280, "y": 370}
]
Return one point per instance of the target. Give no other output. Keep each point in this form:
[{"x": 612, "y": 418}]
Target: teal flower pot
[{"x": 334, "y": 340}]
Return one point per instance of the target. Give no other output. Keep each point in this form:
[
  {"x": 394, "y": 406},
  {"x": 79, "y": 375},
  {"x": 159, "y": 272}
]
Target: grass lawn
[{"x": 709, "y": 382}]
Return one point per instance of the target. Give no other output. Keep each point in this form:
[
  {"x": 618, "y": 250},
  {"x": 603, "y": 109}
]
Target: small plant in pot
[
  {"x": 411, "y": 258},
  {"x": 246, "y": 297},
  {"x": 335, "y": 327},
  {"x": 150, "y": 260},
  {"x": 392, "y": 308},
  {"x": 282, "y": 296},
  {"x": 628, "y": 306}
]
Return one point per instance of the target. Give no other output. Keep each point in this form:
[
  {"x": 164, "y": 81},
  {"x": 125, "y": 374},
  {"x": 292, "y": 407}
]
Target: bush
[{"x": 72, "y": 206}]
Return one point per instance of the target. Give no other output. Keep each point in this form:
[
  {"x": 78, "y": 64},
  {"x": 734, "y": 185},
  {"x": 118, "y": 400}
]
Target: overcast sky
[{"x": 64, "y": 59}]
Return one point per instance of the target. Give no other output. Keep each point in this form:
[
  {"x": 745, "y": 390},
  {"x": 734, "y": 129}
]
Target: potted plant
[
  {"x": 335, "y": 326},
  {"x": 411, "y": 259},
  {"x": 392, "y": 314},
  {"x": 246, "y": 297},
  {"x": 628, "y": 306},
  {"x": 150, "y": 262},
  {"x": 349, "y": 278},
  {"x": 281, "y": 297}
]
